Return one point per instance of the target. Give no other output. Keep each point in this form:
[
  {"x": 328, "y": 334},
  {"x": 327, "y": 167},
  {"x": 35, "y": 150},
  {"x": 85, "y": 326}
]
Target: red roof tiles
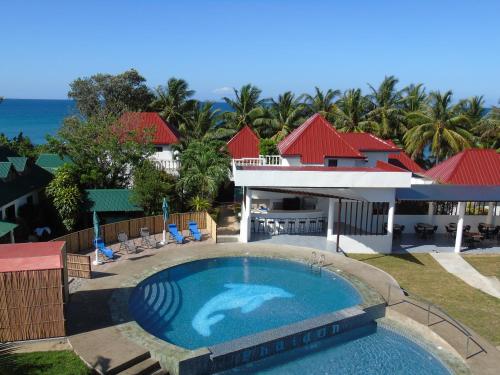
[
  {"x": 315, "y": 140},
  {"x": 244, "y": 144},
  {"x": 163, "y": 133},
  {"x": 469, "y": 167},
  {"x": 402, "y": 160},
  {"x": 368, "y": 142},
  {"x": 31, "y": 256}
]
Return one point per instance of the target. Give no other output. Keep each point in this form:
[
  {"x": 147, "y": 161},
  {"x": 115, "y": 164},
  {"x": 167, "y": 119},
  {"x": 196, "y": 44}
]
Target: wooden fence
[
  {"x": 79, "y": 266},
  {"x": 31, "y": 305},
  {"x": 82, "y": 240}
]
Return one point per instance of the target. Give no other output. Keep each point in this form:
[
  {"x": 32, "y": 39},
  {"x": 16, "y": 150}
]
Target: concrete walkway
[{"x": 456, "y": 265}]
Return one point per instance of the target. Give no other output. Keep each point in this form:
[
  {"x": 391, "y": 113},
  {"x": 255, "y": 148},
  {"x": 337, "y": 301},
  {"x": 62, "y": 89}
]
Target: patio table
[
  {"x": 426, "y": 229},
  {"x": 472, "y": 238}
]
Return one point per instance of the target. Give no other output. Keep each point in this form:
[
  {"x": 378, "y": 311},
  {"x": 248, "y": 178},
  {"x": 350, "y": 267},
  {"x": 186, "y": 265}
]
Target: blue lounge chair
[
  {"x": 106, "y": 251},
  {"x": 174, "y": 233},
  {"x": 195, "y": 232}
]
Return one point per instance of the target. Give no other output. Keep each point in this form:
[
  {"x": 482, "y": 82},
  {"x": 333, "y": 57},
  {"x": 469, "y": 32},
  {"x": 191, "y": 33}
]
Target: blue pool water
[
  {"x": 210, "y": 301},
  {"x": 367, "y": 350}
]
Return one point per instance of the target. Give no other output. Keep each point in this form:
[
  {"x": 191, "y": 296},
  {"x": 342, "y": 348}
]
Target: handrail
[{"x": 447, "y": 317}]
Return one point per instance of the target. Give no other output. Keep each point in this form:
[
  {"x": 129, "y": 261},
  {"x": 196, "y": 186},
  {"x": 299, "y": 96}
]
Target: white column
[
  {"x": 331, "y": 219},
  {"x": 430, "y": 213},
  {"x": 12, "y": 236},
  {"x": 245, "y": 216},
  {"x": 489, "y": 218},
  {"x": 390, "y": 217},
  {"x": 460, "y": 226}
]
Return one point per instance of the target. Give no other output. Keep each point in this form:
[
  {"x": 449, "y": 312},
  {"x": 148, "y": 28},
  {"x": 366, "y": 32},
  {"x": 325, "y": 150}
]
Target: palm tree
[
  {"x": 414, "y": 98},
  {"x": 387, "y": 110},
  {"x": 350, "y": 112},
  {"x": 473, "y": 108},
  {"x": 283, "y": 116},
  {"x": 488, "y": 129},
  {"x": 247, "y": 107},
  {"x": 173, "y": 101},
  {"x": 322, "y": 102},
  {"x": 204, "y": 167},
  {"x": 199, "y": 124},
  {"x": 440, "y": 125}
]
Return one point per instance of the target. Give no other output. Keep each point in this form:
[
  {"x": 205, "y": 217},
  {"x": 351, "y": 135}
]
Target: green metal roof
[
  {"x": 19, "y": 162},
  {"x": 6, "y": 227},
  {"x": 5, "y": 167},
  {"x": 51, "y": 162},
  {"x": 110, "y": 200}
]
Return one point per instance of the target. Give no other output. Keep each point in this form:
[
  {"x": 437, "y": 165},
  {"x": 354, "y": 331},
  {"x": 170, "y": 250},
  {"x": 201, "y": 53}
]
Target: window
[
  {"x": 158, "y": 148},
  {"x": 331, "y": 162}
]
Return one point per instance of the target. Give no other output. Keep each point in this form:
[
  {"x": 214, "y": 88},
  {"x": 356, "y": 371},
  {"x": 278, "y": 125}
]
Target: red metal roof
[
  {"x": 368, "y": 142},
  {"x": 31, "y": 256},
  {"x": 470, "y": 167},
  {"x": 244, "y": 144},
  {"x": 314, "y": 140},
  {"x": 383, "y": 167},
  {"x": 163, "y": 132},
  {"x": 402, "y": 160}
]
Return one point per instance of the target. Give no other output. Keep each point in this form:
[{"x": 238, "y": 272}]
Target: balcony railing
[
  {"x": 169, "y": 166},
  {"x": 261, "y": 160}
]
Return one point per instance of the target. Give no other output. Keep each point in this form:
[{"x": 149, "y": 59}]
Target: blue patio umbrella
[{"x": 164, "y": 208}]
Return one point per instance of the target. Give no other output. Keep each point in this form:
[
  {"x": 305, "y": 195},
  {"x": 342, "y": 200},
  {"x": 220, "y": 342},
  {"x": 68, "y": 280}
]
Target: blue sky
[{"x": 277, "y": 45}]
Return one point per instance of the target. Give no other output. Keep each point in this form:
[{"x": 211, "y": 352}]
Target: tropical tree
[
  {"x": 440, "y": 125},
  {"x": 151, "y": 185},
  {"x": 473, "y": 108},
  {"x": 174, "y": 102},
  {"x": 322, "y": 102},
  {"x": 110, "y": 95},
  {"x": 200, "y": 124},
  {"x": 488, "y": 129},
  {"x": 66, "y": 195},
  {"x": 204, "y": 168},
  {"x": 414, "y": 98},
  {"x": 387, "y": 112},
  {"x": 285, "y": 114},
  {"x": 198, "y": 203},
  {"x": 350, "y": 113},
  {"x": 247, "y": 107}
]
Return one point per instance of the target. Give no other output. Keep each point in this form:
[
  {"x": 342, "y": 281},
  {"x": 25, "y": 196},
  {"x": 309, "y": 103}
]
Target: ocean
[{"x": 37, "y": 117}]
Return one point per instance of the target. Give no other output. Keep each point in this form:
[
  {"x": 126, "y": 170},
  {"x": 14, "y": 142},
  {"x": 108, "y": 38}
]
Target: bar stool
[
  {"x": 252, "y": 225},
  {"x": 312, "y": 225},
  {"x": 261, "y": 225},
  {"x": 291, "y": 226},
  {"x": 302, "y": 226},
  {"x": 281, "y": 226},
  {"x": 270, "y": 226},
  {"x": 321, "y": 225}
]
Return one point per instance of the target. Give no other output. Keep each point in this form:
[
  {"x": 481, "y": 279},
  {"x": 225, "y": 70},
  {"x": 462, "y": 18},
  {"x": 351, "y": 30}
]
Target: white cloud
[{"x": 223, "y": 90}]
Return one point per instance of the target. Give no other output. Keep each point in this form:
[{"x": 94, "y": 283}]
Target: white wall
[
  {"x": 166, "y": 154},
  {"x": 440, "y": 220},
  {"x": 373, "y": 157}
]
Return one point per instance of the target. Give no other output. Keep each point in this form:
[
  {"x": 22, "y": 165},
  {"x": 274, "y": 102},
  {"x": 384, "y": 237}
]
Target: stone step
[
  {"x": 118, "y": 369},
  {"x": 228, "y": 238},
  {"x": 146, "y": 367}
]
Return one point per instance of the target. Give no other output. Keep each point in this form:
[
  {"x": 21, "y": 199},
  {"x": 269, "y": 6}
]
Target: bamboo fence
[
  {"x": 83, "y": 240},
  {"x": 79, "y": 266},
  {"x": 31, "y": 305}
]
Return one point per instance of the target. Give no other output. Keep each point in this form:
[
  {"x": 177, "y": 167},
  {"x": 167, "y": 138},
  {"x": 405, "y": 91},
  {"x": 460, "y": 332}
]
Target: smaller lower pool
[{"x": 370, "y": 350}]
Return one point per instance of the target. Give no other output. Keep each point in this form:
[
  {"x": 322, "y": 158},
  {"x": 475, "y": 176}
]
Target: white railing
[
  {"x": 261, "y": 160},
  {"x": 169, "y": 166}
]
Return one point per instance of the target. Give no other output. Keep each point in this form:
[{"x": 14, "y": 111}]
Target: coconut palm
[
  {"x": 322, "y": 102},
  {"x": 414, "y": 98},
  {"x": 473, "y": 108},
  {"x": 387, "y": 110},
  {"x": 204, "y": 168},
  {"x": 247, "y": 107},
  {"x": 440, "y": 125},
  {"x": 283, "y": 116},
  {"x": 173, "y": 101},
  {"x": 199, "y": 124},
  {"x": 488, "y": 129},
  {"x": 350, "y": 112}
]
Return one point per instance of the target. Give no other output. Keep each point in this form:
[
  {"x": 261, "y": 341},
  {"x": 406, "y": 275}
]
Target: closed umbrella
[
  {"x": 164, "y": 208},
  {"x": 95, "y": 221}
]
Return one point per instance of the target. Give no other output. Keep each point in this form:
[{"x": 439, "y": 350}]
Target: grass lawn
[
  {"x": 422, "y": 275},
  {"x": 63, "y": 362},
  {"x": 487, "y": 264}
]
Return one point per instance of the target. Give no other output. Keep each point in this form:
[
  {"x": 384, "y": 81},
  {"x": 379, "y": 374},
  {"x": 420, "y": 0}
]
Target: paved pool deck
[{"x": 101, "y": 332}]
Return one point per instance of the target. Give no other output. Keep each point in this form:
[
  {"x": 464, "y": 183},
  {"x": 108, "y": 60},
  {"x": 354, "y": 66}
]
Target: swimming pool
[
  {"x": 370, "y": 350},
  {"x": 210, "y": 301}
]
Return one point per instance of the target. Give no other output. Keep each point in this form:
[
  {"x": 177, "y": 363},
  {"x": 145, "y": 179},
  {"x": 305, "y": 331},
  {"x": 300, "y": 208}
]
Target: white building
[{"x": 344, "y": 187}]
